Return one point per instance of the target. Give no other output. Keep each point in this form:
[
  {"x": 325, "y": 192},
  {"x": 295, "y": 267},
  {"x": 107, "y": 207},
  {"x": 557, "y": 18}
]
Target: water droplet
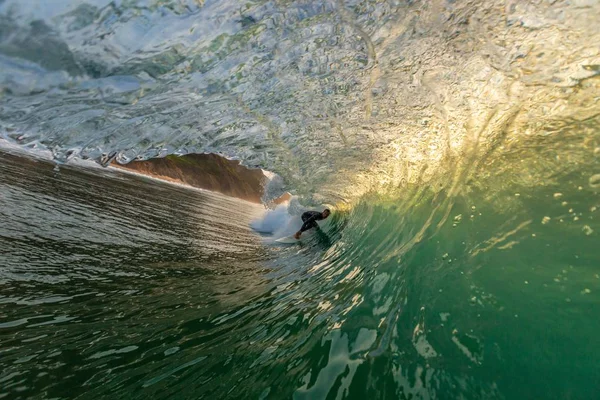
[
  {"x": 595, "y": 181},
  {"x": 545, "y": 220},
  {"x": 586, "y": 291},
  {"x": 517, "y": 194},
  {"x": 473, "y": 208},
  {"x": 526, "y": 282},
  {"x": 587, "y": 230},
  {"x": 564, "y": 203},
  {"x": 557, "y": 195}
]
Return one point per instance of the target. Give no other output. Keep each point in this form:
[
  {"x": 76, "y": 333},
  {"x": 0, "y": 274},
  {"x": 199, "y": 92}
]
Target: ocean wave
[{"x": 338, "y": 98}]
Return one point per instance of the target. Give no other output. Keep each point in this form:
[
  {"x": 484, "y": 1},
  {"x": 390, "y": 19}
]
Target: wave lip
[{"x": 338, "y": 100}]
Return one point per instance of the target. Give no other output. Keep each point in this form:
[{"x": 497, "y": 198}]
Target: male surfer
[{"x": 310, "y": 219}]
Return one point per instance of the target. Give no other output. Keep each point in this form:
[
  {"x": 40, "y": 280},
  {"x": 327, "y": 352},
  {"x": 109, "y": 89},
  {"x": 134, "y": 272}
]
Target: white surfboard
[{"x": 287, "y": 240}]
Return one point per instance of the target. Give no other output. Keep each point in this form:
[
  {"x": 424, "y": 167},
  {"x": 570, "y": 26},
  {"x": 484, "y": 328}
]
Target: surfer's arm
[{"x": 309, "y": 223}]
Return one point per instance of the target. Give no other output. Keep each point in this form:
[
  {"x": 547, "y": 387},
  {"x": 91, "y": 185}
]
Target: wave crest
[{"x": 336, "y": 97}]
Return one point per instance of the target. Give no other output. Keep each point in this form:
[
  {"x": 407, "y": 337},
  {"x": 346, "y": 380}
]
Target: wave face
[
  {"x": 337, "y": 95},
  {"x": 465, "y": 135},
  {"x": 117, "y": 286}
]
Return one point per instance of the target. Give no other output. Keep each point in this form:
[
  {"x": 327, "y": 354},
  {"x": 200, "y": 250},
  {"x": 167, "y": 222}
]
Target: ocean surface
[
  {"x": 457, "y": 143},
  {"x": 119, "y": 286}
]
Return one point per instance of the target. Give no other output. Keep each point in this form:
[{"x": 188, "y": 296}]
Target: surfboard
[{"x": 287, "y": 240}]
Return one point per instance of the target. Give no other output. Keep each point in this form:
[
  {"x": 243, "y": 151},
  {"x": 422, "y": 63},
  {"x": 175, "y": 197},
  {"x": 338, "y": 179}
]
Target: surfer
[{"x": 310, "y": 219}]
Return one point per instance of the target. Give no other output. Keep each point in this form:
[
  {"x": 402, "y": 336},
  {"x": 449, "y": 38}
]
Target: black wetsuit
[{"x": 310, "y": 219}]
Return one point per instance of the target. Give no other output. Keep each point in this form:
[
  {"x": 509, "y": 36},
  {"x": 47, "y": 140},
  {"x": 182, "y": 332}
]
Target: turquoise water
[
  {"x": 458, "y": 143},
  {"x": 120, "y": 286}
]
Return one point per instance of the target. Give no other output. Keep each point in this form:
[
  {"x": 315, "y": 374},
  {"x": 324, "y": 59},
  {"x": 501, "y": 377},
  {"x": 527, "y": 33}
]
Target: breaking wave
[
  {"x": 337, "y": 97},
  {"x": 459, "y": 141}
]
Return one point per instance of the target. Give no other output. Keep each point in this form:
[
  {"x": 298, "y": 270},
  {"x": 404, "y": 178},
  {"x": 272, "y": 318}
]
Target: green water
[
  {"x": 114, "y": 286},
  {"x": 458, "y": 143}
]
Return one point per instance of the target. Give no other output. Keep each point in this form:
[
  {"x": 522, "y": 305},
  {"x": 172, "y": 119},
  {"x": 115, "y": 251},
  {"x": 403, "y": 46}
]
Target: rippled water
[
  {"x": 459, "y": 142},
  {"x": 112, "y": 283},
  {"x": 120, "y": 286},
  {"x": 338, "y": 97}
]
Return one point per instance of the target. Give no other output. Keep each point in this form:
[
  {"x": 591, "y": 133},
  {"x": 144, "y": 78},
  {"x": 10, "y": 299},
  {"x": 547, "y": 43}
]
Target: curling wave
[{"x": 339, "y": 98}]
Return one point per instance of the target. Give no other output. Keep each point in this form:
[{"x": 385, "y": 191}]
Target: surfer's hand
[{"x": 297, "y": 235}]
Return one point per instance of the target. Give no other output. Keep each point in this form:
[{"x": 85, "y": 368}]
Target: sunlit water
[
  {"x": 457, "y": 141},
  {"x": 338, "y": 97},
  {"x": 120, "y": 286}
]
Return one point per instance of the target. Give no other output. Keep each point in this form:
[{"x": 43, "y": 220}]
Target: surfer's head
[{"x": 326, "y": 213}]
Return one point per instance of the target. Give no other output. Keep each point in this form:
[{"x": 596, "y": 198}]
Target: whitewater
[{"x": 458, "y": 143}]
